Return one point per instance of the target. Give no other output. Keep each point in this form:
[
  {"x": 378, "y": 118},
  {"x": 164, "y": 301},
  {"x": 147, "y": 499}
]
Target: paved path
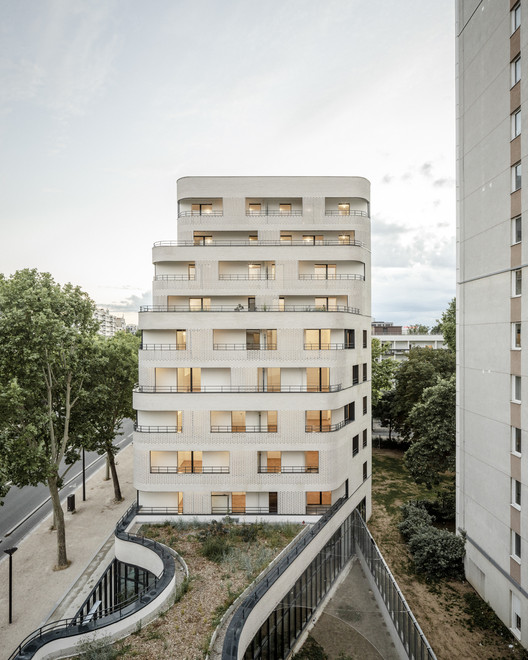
[{"x": 41, "y": 594}]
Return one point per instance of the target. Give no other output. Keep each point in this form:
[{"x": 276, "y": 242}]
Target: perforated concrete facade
[{"x": 254, "y": 377}]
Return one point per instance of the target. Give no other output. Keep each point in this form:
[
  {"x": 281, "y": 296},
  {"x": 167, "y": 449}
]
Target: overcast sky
[{"x": 105, "y": 103}]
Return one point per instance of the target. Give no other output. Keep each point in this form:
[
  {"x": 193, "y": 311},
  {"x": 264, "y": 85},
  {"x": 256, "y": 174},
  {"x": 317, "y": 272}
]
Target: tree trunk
[
  {"x": 58, "y": 516},
  {"x": 117, "y": 488},
  {"x": 390, "y": 430},
  {"x": 107, "y": 470}
]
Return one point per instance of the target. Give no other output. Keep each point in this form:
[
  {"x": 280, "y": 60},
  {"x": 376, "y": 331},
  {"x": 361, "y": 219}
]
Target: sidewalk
[{"x": 41, "y": 594}]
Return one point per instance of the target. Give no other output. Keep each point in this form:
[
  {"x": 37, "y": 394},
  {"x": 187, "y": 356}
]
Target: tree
[
  {"x": 384, "y": 410},
  {"x": 447, "y": 325},
  {"x": 419, "y": 371},
  {"x": 46, "y": 336},
  {"x": 383, "y": 369},
  {"x": 113, "y": 372},
  {"x": 433, "y": 424},
  {"x": 418, "y": 329}
]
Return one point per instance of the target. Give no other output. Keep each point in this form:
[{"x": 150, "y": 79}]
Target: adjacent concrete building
[
  {"x": 254, "y": 382},
  {"x": 492, "y": 360}
]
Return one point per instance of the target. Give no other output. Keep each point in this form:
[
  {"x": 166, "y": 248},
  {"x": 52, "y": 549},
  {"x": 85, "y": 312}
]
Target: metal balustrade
[
  {"x": 327, "y": 428},
  {"x": 336, "y": 276},
  {"x": 204, "y": 214},
  {"x": 288, "y": 469},
  {"x": 364, "y": 214},
  {"x": 175, "y": 277},
  {"x": 140, "y": 428},
  {"x": 244, "y": 347},
  {"x": 327, "y": 347},
  {"x": 236, "y": 276},
  {"x": 253, "y": 308},
  {"x": 163, "y": 347},
  {"x": 228, "y": 428},
  {"x": 187, "y": 469},
  {"x": 218, "y": 389},
  {"x": 274, "y": 212},
  {"x": 259, "y": 242}
]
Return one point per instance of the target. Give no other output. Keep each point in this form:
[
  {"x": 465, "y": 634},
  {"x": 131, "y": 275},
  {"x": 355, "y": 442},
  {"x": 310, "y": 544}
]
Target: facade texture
[
  {"x": 254, "y": 381},
  {"x": 492, "y": 362}
]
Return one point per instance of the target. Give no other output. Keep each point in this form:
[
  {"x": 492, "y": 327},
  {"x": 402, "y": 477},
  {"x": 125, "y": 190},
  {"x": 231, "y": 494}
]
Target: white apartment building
[
  {"x": 492, "y": 362},
  {"x": 254, "y": 377},
  {"x": 109, "y": 324}
]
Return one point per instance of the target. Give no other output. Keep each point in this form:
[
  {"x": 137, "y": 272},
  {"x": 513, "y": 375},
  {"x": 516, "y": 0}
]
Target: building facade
[
  {"x": 254, "y": 378},
  {"x": 492, "y": 361},
  {"x": 109, "y": 324}
]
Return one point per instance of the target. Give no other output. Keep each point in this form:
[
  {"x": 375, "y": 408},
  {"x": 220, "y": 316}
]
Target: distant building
[
  {"x": 401, "y": 344},
  {"x": 131, "y": 328},
  {"x": 109, "y": 324},
  {"x": 383, "y": 328}
]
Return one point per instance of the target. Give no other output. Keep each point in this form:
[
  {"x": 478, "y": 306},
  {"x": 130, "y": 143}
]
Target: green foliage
[
  {"x": 438, "y": 553},
  {"x": 311, "y": 650},
  {"x": 102, "y": 649},
  {"x": 482, "y": 616},
  {"x": 421, "y": 370},
  {"x": 433, "y": 425},
  {"x": 416, "y": 519},
  {"x": 383, "y": 369},
  {"x": 443, "y": 508},
  {"x": 418, "y": 329},
  {"x": 447, "y": 325},
  {"x": 215, "y": 548}
]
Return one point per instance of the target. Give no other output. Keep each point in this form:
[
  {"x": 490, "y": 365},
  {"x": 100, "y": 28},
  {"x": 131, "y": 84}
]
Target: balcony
[
  {"x": 244, "y": 347},
  {"x": 210, "y": 214},
  {"x": 273, "y": 243},
  {"x": 266, "y": 211},
  {"x": 177, "y": 277},
  {"x": 288, "y": 469},
  {"x": 327, "y": 347},
  {"x": 175, "y": 469},
  {"x": 218, "y": 389},
  {"x": 327, "y": 428},
  {"x": 229, "y": 428},
  {"x": 345, "y": 212},
  {"x": 256, "y": 308},
  {"x": 140, "y": 428},
  {"x": 332, "y": 276},
  {"x": 163, "y": 347},
  {"x": 246, "y": 276}
]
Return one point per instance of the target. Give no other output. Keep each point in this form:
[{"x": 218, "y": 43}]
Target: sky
[{"x": 104, "y": 104}]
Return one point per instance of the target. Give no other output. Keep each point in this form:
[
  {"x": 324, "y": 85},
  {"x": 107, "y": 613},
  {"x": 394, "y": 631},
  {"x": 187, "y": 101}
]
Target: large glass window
[
  {"x": 318, "y": 420},
  {"x": 199, "y": 304},
  {"x": 325, "y": 271},
  {"x": 285, "y": 208},
  {"x": 317, "y": 339},
  {"x": 318, "y": 379},
  {"x": 189, "y": 379},
  {"x": 343, "y": 208},
  {"x": 201, "y": 209}
]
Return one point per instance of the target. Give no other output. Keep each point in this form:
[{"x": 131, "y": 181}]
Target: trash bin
[{"x": 71, "y": 502}]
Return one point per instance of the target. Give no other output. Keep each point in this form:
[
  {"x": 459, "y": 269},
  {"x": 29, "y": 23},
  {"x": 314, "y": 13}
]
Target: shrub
[
  {"x": 415, "y": 520},
  {"x": 215, "y": 548},
  {"x": 443, "y": 508},
  {"x": 438, "y": 553}
]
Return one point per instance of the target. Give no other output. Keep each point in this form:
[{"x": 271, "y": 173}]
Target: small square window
[
  {"x": 516, "y": 177},
  {"x": 516, "y": 17},
  {"x": 515, "y": 124},
  {"x": 516, "y": 230},
  {"x": 516, "y": 335},
  {"x": 516, "y": 441},
  {"x": 515, "y": 71}
]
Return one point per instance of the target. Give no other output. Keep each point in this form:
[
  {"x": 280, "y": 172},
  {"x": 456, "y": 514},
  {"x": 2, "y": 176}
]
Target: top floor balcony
[{"x": 200, "y": 207}]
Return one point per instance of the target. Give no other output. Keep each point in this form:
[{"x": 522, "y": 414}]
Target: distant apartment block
[
  {"x": 254, "y": 377},
  {"x": 109, "y": 324}
]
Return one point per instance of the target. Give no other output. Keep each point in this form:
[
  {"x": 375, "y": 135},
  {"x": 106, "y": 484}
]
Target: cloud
[
  {"x": 426, "y": 170},
  {"x": 387, "y": 178},
  {"x": 444, "y": 183},
  {"x": 130, "y": 304}
]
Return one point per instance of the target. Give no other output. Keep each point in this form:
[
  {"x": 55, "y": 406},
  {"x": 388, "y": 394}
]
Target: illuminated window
[
  {"x": 285, "y": 209},
  {"x": 255, "y": 209},
  {"x": 343, "y": 208}
]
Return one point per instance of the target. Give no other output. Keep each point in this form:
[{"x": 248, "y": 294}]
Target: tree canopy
[
  {"x": 418, "y": 329},
  {"x": 447, "y": 325},
  {"x": 46, "y": 338},
  {"x": 383, "y": 369}
]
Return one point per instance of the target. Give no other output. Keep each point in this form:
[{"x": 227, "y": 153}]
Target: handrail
[
  {"x": 260, "y": 389},
  {"x": 140, "y": 428},
  {"x": 182, "y": 469},
  {"x": 327, "y": 347},
  {"x": 163, "y": 347},
  {"x": 241, "y": 308},
  {"x": 288, "y": 469},
  {"x": 76, "y": 625},
  {"x": 274, "y": 212},
  {"x": 244, "y": 347},
  {"x": 336, "y": 276},
  {"x": 245, "y": 242},
  {"x": 176, "y": 276},
  {"x": 345, "y": 213},
  {"x": 203, "y": 214},
  {"x": 245, "y": 276},
  {"x": 228, "y": 428},
  {"x": 327, "y": 428}
]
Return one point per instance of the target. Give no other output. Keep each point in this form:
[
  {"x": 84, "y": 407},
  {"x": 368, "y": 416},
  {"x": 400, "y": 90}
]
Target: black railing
[
  {"x": 337, "y": 276},
  {"x": 295, "y": 212},
  {"x": 160, "y": 510},
  {"x": 244, "y": 347},
  {"x": 241, "y": 510},
  {"x": 345, "y": 213},
  {"x": 327, "y": 347},
  {"x": 326, "y": 428},
  {"x": 163, "y": 347},
  {"x": 141, "y": 428},
  {"x": 235, "y": 276},
  {"x": 261, "y": 389},
  {"x": 175, "y": 277},
  {"x": 246, "y": 242},
  {"x": 188, "y": 214},
  {"x": 270, "y": 428},
  {"x": 288, "y": 469},
  {"x": 252, "y": 308},
  {"x": 184, "y": 469}
]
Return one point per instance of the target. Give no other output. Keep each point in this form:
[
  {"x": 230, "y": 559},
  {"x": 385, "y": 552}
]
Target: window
[
  {"x": 199, "y": 304},
  {"x": 191, "y": 271},
  {"x": 189, "y": 379},
  {"x": 286, "y": 239},
  {"x": 343, "y": 208},
  {"x": 344, "y": 239},
  {"x": 365, "y": 471},
  {"x": 516, "y": 177},
  {"x": 515, "y": 17},
  {"x": 516, "y": 389},
  {"x": 318, "y": 379},
  {"x": 202, "y": 239},
  {"x": 355, "y": 374},
  {"x": 254, "y": 271},
  {"x": 516, "y": 492},
  {"x": 201, "y": 209},
  {"x": 516, "y": 230},
  {"x": 516, "y": 335},
  {"x": 364, "y": 339},
  {"x": 254, "y": 209},
  {"x": 515, "y": 71},
  {"x": 318, "y": 421},
  {"x": 355, "y": 445},
  {"x": 365, "y": 438},
  {"x": 516, "y": 546},
  {"x": 350, "y": 412},
  {"x": 516, "y": 123},
  {"x": 365, "y": 405},
  {"x": 327, "y": 304},
  {"x": 364, "y": 371},
  {"x": 325, "y": 271},
  {"x": 516, "y": 441},
  {"x": 350, "y": 341},
  {"x": 312, "y": 239},
  {"x": 517, "y": 282},
  {"x": 285, "y": 208},
  {"x": 253, "y": 238},
  {"x": 317, "y": 339},
  {"x": 516, "y": 615}
]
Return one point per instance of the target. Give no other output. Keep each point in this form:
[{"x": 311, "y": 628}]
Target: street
[{"x": 24, "y": 508}]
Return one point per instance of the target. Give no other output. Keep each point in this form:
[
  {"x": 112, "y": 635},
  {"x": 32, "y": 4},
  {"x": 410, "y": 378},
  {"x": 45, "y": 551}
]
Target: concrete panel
[
  {"x": 515, "y": 466},
  {"x": 515, "y": 519},
  {"x": 515, "y": 570}
]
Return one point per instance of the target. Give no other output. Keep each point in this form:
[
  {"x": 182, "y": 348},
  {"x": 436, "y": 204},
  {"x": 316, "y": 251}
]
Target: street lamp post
[{"x": 10, "y": 552}]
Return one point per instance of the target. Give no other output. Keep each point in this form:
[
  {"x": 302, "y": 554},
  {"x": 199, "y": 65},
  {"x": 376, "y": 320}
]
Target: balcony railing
[
  {"x": 296, "y": 212},
  {"x": 317, "y": 509},
  {"x": 245, "y": 276},
  {"x": 228, "y": 510},
  {"x": 326, "y": 428},
  {"x": 244, "y": 347},
  {"x": 364, "y": 214},
  {"x": 241, "y": 308},
  {"x": 261, "y": 389},
  {"x": 183, "y": 469},
  {"x": 270, "y": 428},
  {"x": 288, "y": 469},
  {"x": 140, "y": 428},
  {"x": 327, "y": 347},
  {"x": 337, "y": 276},
  {"x": 178, "y": 277},
  {"x": 246, "y": 242},
  {"x": 163, "y": 347},
  {"x": 188, "y": 214}
]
